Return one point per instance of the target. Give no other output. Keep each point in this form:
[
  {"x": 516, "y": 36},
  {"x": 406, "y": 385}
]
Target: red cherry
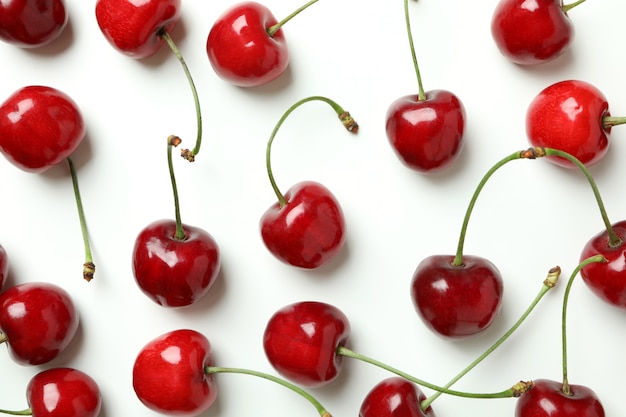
[
  {"x": 32, "y": 23},
  {"x": 63, "y": 392},
  {"x": 39, "y": 127},
  {"x": 240, "y": 48},
  {"x": 531, "y": 32},
  {"x": 309, "y": 230},
  {"x": 395, "y": 397},
  {"x": 568, "y": 116},
  {"x": 169, "y": 377},
  {"x": 301, "y": 341},
  {"x": 4, "y": 266},
  {"x": 457, "y": 301},
  {"x": 133, "y": 27},
  {"x": 39, "y": 320},
  {"x": 427, "y": 135},
  {"x": 174, "y": 272},
  {"x": 547, "y": 399}
]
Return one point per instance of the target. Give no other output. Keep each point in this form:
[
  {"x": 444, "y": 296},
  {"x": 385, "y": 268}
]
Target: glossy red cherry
[
  {"x": 32, "y": 23},
  {"x": 38, "y": 321},
  {"x": 395, "y": 397},
  {"x": 63, "y": 392},
  {"x": 309, "y": 230},
  {"x": 169, "y": 377},
  {"x": 4, "y": 266},
  {"x": 132, "y": 27},
  {"x": 427, "y": 135},
  {"x": 570, "y": 116},
  {"x": 240, "y": 49},
  {"x": 531, "y": 32},
  {"x": 174, "y": 272},
  {"x": 457, "y": 301},
  {"x": 547, "y": 399},
  {"x": 39, "y": 127},
  {"x": 301, "y": 341}
]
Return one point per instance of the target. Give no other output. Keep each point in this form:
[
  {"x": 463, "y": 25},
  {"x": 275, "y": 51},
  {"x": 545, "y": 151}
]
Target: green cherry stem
[
  {"x": 318, "y": 406},
  {"x": 271, "y": 31},
  {"x": 27, "y": 412},
  {"x": 548, "y": 283},
  {"x": 421, "y": 95},
  {"x": 89, "y": 268},
  {"x": 186, "y": 153},
  {"x": 567, "y": 7},
  {"x": 173, "y": 141},
  {"x": 515, "y": 391},
  {"x": 592, "y": 259},
  {"x": 611, "y": 121},
  {"x": 346, "y": 119}
]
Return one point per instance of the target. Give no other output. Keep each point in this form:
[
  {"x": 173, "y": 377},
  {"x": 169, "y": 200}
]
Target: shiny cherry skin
[
  {"x": 547, "y": 399},
  {"x": 39, "y": 321},
  {"x": 309, "y": 230},
  {"x": 457, "y": 302},
  {"x": 301, "y": 341},
  {"x": 4, "y": 266},
  {"x": 32, "y": 23},
  {"x": 132, "y": 27},
  {"x": 607, "y": 279},
  {"x": 63, "y": 392},
  {"x": 531, "y": 32},
  {"x": 174, "y": 272},
  {"x": 169, "y": 377},
  {"x": 40, "y": 127},
  {"x": 240, "y": 49},
  {"x": 395, "y": 397},
  {"x": 568, "y": 116},
  {"x": 426, "y": 135}
]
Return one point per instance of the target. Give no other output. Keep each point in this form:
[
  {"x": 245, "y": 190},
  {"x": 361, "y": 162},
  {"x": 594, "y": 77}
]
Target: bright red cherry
[
  {"x": 426, "y": 134},
  {"x": 63, "y": 392},
  {"x": 309, "y": 230},
  {"x": 547, "y": 399},
  {"x": 4, "y": 266},
  {"x": 301, "y": 341},
  {"x": 133, "y": 27},
  {"x": 175, "y": 272},
  {"x": 572, "y": 116},
  {"x": 395, "y": 397},
  {"x": 457, "y": 301},
  {"x": 39, "y": 127},
  {"x": 32, "y": 23},
  {"x": 38, "y": 321},
  {"x": 169, "y": 374},
  {"x": 529, "y": 32}
]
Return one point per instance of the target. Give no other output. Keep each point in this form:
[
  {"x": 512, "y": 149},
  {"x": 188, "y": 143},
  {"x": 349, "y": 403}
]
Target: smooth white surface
[{"x": 530, "y": 217}]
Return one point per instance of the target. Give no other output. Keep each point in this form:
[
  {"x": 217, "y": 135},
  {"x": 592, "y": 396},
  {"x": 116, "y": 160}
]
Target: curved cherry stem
[
  {"x": 421, "y": 95},
  {"x": 567, "y": 7},
  {"x": 271, "y": 31},
  {"x": 318, "y": 406},
  {"x": 27, "y": 412},
  {"x": 592, "y": 259},
  {"x": 548, "y": 283},
  {"x": 186, "y": 153},
  {"x": 515, "y": 391},
  {"x": 89, "y": 268},
  {"x": 346, "y": 119},
  {"x": 173, "y": 141}
]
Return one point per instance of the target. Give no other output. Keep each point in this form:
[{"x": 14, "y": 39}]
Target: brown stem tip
[
  {"x": 533, "y": 153},
  {"x": 188, "y": 155},
  {"x": 349, "y": 122},
  {"x": 173, "y": 140},
  {"x": 522, "y": 387},
  {"x": 89, "y": 269}
]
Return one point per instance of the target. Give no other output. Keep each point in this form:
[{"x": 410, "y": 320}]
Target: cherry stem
[
  {"x": 186, "y": 153},
  {"x": 3, "y": 338},
  {"x": 346, "y": 119},
  {"x": 592, "y": 259},
  {"x": 567, "y": 7},
  {"x": 271, "y": 31},
  {"x": 515, "y": 391},
  {"x": 421, "y": 94},
  {"x": 27, "y": 412},
  {"x": 610, "y": 121},
  {"x": 548, "y": 283},
  {"x": 89, "y": 268},
  {"x": 318, "y": 406},
  {"x": 172, "y": 141}
]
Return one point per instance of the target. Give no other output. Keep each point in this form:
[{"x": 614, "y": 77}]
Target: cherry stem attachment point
[
  {"x": 346, "y": 119},
  {"x": 421, "y": 95},
  {"x": 271, "y": 31},
  {"x": 173, "y": 141},
  {"x": 549, "y": 282},
  {"x": 186, "y": 153},
  {"x": 567, "y": 7},
  {"x": 89, "y": 268},
  {"x": 610, "y": 121},
  {"x": 592, "y": 259},
  {"x": 318, "y": 406}
]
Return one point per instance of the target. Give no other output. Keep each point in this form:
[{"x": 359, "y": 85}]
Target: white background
[{"x": 530, "y": 217}]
